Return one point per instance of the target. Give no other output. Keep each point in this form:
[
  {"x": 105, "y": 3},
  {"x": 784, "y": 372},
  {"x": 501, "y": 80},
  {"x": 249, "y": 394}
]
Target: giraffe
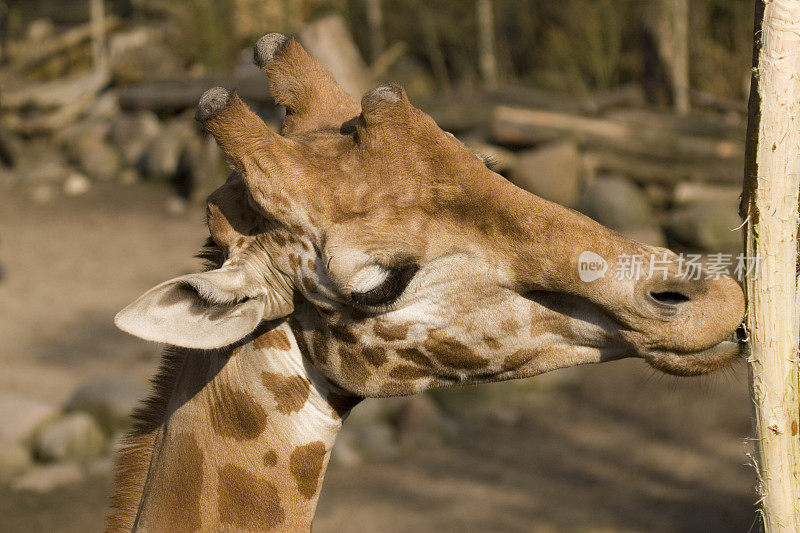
[{"x": 364, "y": 252}]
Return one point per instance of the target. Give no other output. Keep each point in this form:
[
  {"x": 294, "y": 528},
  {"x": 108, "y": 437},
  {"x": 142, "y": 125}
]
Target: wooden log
[
  {"x": 533, "y": 126},
  {"x": 328, "y": 41},
  {"x": 177, "y": 94},
  {"x": 707, "y": 100},
  {"x": 627, "y": 95},
  {"x": 696, "y": 124},
  {"x": 32, "y": 56},
  {"x": 645, "y": 169},
  {"x": 770, "y": 203},
  {"x": 54, "y": 94}
]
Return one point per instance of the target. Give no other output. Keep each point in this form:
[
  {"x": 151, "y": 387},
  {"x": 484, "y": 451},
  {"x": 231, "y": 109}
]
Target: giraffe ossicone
[{"x": 364, "y": 252}]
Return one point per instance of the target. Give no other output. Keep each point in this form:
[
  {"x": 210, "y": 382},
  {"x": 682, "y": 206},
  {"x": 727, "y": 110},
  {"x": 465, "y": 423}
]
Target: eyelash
[{"x": 388, "y": 291}]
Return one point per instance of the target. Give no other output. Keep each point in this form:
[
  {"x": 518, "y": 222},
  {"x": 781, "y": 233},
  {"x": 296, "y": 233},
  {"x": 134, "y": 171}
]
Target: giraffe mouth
[{"x": 701, "y": 362}]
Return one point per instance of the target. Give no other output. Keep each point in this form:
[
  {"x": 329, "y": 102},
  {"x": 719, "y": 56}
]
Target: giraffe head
[{"x": 402, "y": 262}]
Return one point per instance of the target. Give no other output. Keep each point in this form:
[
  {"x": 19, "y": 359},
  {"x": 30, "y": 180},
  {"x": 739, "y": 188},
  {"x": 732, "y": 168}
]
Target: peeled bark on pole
[{"x": 770, "y": 203}]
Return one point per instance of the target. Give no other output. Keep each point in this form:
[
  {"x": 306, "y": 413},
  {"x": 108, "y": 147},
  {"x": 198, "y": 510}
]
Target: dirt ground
[{"x": 613, "y": 447}]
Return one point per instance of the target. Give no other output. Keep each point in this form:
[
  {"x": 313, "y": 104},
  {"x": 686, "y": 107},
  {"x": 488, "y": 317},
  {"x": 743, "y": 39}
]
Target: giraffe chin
[{"x": 696, "y": 363}]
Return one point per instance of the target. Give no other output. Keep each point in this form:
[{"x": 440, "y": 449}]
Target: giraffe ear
[{"x": 206, "y": 310}]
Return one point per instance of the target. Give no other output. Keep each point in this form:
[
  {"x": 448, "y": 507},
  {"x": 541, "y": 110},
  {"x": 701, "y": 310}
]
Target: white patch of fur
[{"x": 368, "y": 278}]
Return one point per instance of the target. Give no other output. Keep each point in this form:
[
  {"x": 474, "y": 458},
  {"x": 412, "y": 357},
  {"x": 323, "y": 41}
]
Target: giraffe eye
[{"x": 389, "y": 290}]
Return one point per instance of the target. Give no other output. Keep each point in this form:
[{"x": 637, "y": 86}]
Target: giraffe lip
[{"x": 696, "y": 363}]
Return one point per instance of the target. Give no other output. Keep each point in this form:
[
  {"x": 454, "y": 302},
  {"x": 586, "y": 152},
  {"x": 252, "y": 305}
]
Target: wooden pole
[
  {"x": 770, "y": 203},
  {"x": 668, "y": 22},
  {"x": 98, "y": 18},
  {"x": 377, "y": 39},
  {"x": 680, "y": 66},
  {"x": 488, "y": 61}
]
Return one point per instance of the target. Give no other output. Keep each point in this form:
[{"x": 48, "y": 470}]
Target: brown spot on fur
[
  {"x": 408, "y": 372},
  {"x": 309, "y": 285},
  {"x": 794, "y": 428},
  {"x": 278, "y": 239},
  {"x": 274, "y": 338},
  {"x": 509, "y": 325},
  {"x": 341, "y": 404},
  {"x": 453, "y": 352},
  {"x": 320, "y": 345},
  {"x": 236, "y": 414},
  {"x": 517, "y": 359},
  {"x": 353, "y": 368},
  {"x": 294, "y": 261},
  {"x": 291, "y": 392},
  {"x": 177, "y": 486},
  {"x": 415, "y": 355},
  {"x": 270, "y": 458},
  {"x": 311, "y": 266},
  {"x": 305, "y": 464},
  {"x": 492, "y": 343},
  {"x": 390, "y": 332},
  {"x": 248, "y": 502},
  {"x": 343, "y": 334},
  {"x": 375, "y": 355}
]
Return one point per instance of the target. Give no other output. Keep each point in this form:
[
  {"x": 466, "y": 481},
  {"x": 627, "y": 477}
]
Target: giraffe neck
[{"x": 245, "y": 440}]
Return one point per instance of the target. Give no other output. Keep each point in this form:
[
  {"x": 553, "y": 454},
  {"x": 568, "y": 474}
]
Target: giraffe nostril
[{"x": 669, "y": 297}]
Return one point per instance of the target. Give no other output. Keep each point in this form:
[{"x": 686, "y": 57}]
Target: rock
[
  {"x": 616, "y": 202},
  {"x": 74, "y": 436},
  {"x": 88, "y": 149},
  {"x": 161, "y": 159},
  {"x": 14, "y": 458},
  {"x": 76, "y": 184},
  {"x": 48, "y": 477},
  {"x": 104, "y": 108},
  {"x": 708, "y": 226},
  {"x": 132, "y": 133},
  {"x": 98, "y": 159},
  {"x": 689, "y": 192},
  {"x": 110, "y": 401},
  {"x": 421, "y": 421},
  {"x": 20, "y": 417},
  {"x": 552, "y": 171}
]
